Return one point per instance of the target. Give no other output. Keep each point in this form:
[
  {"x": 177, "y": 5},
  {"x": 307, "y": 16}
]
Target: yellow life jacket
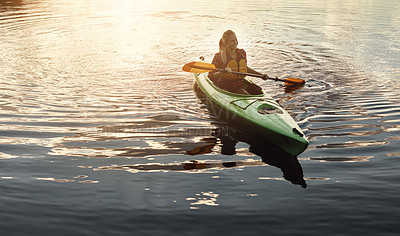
[{"x": 242, "y": 67}]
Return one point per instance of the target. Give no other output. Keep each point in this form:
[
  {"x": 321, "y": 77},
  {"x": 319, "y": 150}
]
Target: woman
[{"x": 230, "y": 58}]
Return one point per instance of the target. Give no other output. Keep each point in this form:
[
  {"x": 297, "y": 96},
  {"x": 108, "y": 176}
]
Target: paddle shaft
[{"x": 236, "y": 72}]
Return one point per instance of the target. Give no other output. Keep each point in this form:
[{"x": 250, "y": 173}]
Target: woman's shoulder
[
  {"x": 217, "y": 55},
  {"x": 241, "y": 51}
]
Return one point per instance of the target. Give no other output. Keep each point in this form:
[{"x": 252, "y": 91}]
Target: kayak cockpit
[{"x": 252, "y": 88}]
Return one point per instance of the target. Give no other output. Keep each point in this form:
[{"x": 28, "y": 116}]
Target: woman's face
[{"x": 231, "y": 42}]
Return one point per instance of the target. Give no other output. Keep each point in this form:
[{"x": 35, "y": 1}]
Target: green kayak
[{"x": 260, "y": 113}]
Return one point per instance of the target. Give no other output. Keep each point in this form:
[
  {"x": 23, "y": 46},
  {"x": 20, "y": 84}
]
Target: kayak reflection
[
  {"x": 271, "y": 155},
  {"x": 288, "y": 164},
  {"x": 228, "y": 138},
  {"x": 292, "y": 88}
]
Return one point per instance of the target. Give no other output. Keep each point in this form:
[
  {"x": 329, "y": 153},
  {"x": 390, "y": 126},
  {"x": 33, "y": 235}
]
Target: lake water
[{"x": 101, "y": 131}]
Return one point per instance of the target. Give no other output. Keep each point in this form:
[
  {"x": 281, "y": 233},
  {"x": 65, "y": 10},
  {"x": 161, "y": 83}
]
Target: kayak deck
[{"x": 259, "y": 113}]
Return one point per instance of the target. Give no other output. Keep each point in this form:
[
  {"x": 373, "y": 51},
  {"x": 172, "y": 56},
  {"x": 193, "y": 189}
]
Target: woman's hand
[
  {"x": 228, "y": 75},
  {"x": 228, "y": 70}
]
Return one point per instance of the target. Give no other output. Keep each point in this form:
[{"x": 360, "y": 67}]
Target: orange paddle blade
[
  {"x": 294, "y": 81},
  {"x": 198, "y": 67}
]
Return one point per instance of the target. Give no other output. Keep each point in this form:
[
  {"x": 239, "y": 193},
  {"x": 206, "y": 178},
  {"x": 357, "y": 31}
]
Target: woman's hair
[{"x": 225, "y": 36}]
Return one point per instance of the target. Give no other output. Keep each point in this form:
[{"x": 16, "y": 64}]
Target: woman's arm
[
  {"x": 251, "y": 71},
  {"x": 226, "y": 74}
]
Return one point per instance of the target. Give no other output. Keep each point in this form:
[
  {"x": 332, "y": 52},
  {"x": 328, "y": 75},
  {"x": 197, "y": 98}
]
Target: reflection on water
[
  {"x": 203, "y": 198},
  {"x": 227, "y": 140},
  {"x": 190, "y": 165},
  {"x": 341, "y": 159},
  {"x": 288, "y": 164},
  {"x": 289, "y": 89},
  {"x": 271, "y": 155},
  {"x": 71, "y": 180},
  {"x": 87, "y": 87}
]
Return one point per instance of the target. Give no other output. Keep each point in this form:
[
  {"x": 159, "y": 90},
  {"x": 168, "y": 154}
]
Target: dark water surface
[{"x": 101, "y": 132}]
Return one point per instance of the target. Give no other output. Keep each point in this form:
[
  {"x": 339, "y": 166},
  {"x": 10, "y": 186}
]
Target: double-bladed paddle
[{"x": 202, "y": 67}]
